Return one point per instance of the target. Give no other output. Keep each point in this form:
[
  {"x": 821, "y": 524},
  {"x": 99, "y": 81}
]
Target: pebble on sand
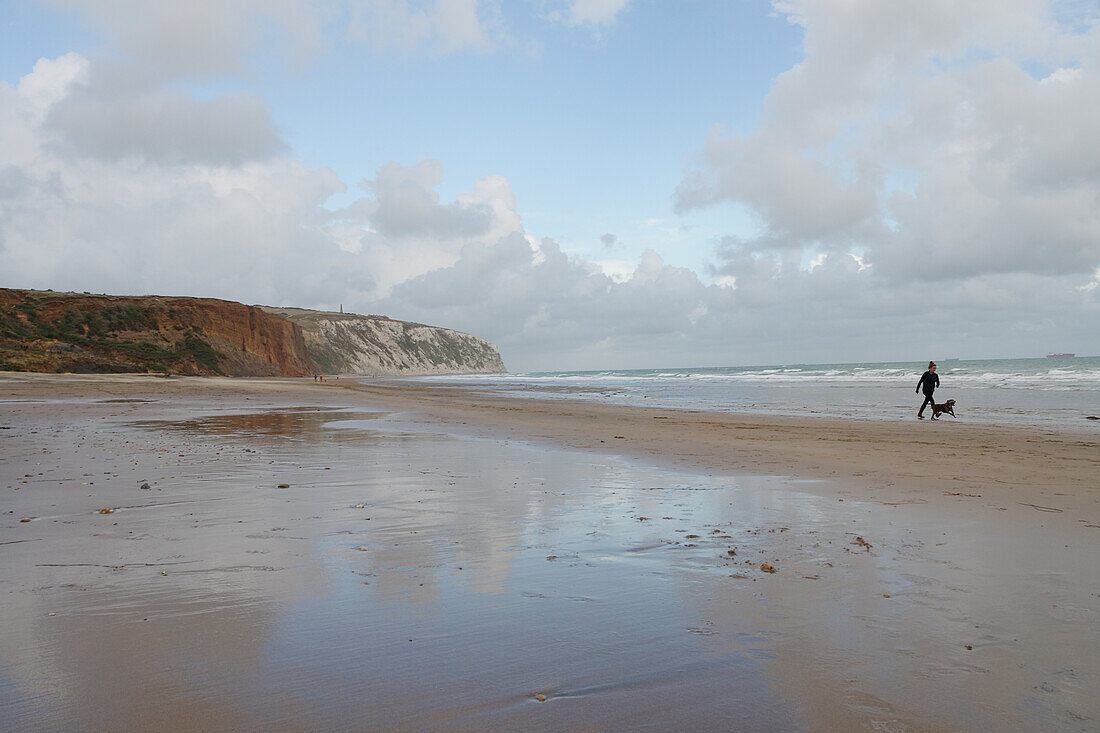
[
  {"x": 25, "y": 519},
  {"x": 107, "y": 510},
  {"x": 284, "y": 486},
  {"x": 768, "y": 567},
  {"x": 540, "y": 697}
]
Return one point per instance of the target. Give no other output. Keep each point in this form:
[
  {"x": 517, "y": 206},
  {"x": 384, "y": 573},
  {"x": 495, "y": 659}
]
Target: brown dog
[{"x": 948, "y": 407}]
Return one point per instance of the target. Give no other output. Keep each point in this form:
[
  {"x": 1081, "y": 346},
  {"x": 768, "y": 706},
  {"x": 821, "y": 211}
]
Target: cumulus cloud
[
  {"x": 210, "y": 39},
  {"x": 799, "y": 199},
  {"x": 913, "y": 135},
  {"x": 402, "y": 229},
  {"x": 928, "y": 173},
  {"x": 406, "y": 204},
  {"x": 551, "y": 308},
  {"x": 548, "y": 310},
  {"x": 74, "y": 213},
  {"x": 165, "y": 126},
  {"x": 201, "y": 38}
]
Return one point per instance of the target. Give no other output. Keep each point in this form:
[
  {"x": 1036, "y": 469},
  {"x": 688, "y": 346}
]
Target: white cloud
[
  {"x": 257, "y": 230},
  {"x": 561, "y": 312},
  {"x": 798, "y": 197},
  {"x": 593, "y": 15},
  {"x": 942, "y": 188},
  {"x": 595, "y": 12},
  {"x": 167, "y": 127},
  {"x": 552, "y": 310},
  {"x": 209, "y": 39},
  {"x": 1063, "y": 75},
  {"x": 108, "y": 112},
  {"x": 50, "y": 81},
  {"x": 618, "y": 270},
  {"x": 406, "y": 204},
  {"x": 77, "y": 213},
  {"x": 439, "y": 26},
  {"x": 202, "y": 38},
  {"x": 1006, "y": 166}
]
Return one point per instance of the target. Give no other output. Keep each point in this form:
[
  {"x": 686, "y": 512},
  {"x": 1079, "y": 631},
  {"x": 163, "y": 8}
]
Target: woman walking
[{"x": 929, "y": 381}]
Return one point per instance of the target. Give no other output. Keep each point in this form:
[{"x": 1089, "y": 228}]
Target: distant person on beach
[{"x": 928, "y": 381}]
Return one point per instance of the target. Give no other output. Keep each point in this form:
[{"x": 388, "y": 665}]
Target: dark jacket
[{"x": 929, "y": 381}]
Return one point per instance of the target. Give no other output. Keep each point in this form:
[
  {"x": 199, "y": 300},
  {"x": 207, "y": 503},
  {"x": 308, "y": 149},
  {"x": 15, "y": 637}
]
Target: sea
[{"x": 1063, "y": 391}]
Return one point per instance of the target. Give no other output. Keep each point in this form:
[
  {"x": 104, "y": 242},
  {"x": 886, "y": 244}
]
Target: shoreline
[{"x": 954, "y": 464}]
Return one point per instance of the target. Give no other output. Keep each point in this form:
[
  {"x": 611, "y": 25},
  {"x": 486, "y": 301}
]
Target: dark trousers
[{"x": 927, "y": 401}]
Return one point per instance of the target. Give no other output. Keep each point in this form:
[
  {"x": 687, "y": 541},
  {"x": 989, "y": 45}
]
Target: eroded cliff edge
[
  {"x": 344, "y": 343},
  {"x": 44, "y": 331}
]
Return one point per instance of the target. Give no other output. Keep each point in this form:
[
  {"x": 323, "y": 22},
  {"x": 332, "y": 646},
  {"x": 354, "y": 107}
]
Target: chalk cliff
[
  {"x": 44, "y": 331},
  {"x": 344, "y": 343}
]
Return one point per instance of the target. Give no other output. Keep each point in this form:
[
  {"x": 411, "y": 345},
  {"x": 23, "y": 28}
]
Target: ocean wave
[
  {"x": 1048, "y": 379},
  {"x": 1015, "y": 391}
]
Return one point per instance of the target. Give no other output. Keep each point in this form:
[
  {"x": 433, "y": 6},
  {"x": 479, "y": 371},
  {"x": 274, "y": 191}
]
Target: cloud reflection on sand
[{"x": 491, "y": 571}]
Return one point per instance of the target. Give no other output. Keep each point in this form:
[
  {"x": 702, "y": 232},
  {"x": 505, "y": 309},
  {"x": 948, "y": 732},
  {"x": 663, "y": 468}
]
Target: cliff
[
  {"x": 44, "y": 331},
  {"x": 344, "y": 343}
]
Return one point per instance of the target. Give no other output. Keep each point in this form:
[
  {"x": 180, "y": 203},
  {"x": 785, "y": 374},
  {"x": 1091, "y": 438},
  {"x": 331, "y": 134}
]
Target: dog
[{"x": 948, "y": 407}]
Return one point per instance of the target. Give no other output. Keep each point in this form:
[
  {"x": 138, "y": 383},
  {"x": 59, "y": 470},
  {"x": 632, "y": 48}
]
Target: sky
[{"x": 588, "y": 184}]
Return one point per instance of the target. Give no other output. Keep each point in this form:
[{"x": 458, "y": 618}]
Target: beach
[{"x": 203, "y": 553}]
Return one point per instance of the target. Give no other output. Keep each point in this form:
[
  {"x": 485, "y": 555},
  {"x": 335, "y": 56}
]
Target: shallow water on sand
[{"x": 406, "y": 579}]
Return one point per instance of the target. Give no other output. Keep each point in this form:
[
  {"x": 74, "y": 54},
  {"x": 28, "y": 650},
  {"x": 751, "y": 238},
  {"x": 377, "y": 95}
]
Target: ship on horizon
[{"x": 1060, "y": 356}]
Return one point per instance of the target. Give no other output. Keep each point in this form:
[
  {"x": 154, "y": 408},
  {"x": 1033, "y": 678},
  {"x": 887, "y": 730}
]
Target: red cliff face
[
  {"x": 251, "y": 342},
  {"x": 57, "y": 332}
]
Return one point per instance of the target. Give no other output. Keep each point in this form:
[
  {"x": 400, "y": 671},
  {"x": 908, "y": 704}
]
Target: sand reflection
[{"x": 311, "y": 568}]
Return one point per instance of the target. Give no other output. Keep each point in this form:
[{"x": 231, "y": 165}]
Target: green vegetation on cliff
[
  {"x": 108, "y": 339},
  {"x": 44, "y": 331}
]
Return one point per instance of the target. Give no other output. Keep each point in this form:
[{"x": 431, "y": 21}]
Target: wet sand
[{"x": 395, "y": 557}]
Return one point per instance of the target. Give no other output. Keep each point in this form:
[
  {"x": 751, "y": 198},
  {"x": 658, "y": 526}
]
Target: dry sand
[{"x": 454, "y": 560}]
